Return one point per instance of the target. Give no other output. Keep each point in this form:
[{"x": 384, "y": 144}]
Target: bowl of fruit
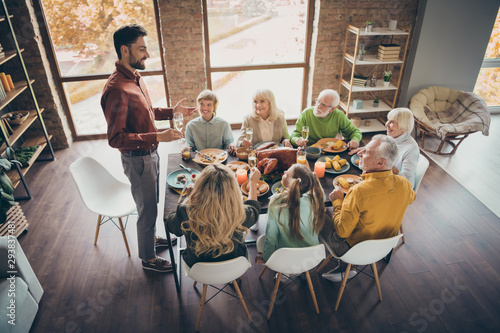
[{"x": 16, "y": 117}]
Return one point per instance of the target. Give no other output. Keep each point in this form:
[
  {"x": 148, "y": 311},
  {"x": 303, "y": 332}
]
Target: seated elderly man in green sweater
[{"x": 325, "y": 121}]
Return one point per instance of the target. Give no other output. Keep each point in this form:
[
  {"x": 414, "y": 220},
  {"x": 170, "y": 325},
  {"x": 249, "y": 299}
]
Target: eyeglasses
[{"x": 323, "y": 105}]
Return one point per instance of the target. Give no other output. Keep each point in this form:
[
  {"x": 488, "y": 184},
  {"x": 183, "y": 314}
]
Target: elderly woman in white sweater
[{"x": 399, "y": 126}]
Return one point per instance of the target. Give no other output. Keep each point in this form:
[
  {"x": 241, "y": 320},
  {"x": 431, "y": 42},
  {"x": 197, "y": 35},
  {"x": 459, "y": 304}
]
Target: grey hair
[
  {"x": 404, "y": 118},
  {"x": 387, "y": 149},
  {"x": 333, "y": 93}
]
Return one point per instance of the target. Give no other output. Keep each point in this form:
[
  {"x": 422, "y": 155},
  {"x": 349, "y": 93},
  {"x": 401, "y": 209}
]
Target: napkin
[{"x": 178, "y": 190}]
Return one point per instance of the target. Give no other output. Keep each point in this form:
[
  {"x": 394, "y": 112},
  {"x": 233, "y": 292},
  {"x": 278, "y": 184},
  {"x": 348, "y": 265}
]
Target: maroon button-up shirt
[{"x": 129, "y": 113}]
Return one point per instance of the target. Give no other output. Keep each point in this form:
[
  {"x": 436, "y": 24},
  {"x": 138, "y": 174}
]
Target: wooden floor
[{"x": 446, "y": 278}]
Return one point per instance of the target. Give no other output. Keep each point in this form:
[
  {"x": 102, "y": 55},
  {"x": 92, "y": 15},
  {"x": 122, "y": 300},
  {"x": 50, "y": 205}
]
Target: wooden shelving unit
[
  {"x": 352, "y": 66},
  {"x": 21, "y": 135}
]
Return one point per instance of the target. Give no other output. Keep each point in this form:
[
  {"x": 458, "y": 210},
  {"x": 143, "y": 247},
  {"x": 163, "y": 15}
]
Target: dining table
[{"x": 172, "y": 195}]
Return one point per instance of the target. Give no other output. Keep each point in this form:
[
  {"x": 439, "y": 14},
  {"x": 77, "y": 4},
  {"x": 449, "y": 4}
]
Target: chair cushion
[
  {"x": 468, "y": 114},
  {"x": 435, "y": 99}
]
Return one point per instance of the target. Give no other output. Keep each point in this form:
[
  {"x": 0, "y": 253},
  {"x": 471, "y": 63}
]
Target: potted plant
[
  {"x": 387, "y": 78},
  {"x": 361, "y": 52},
  {"x": 375, "y": 102},
  {"x": 6, "y": 186},
  {"x": 369, "y": 26}
]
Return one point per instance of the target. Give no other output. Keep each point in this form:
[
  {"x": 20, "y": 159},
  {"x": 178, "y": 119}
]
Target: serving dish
[
  {"x": 325, "y": 145},
  {"x": 217, "y": 155},
  {"x": 354, "y": 178},
  {"x": 16, "y": 117},
  {"x": 259, "y": 184},
  {"x": 172, "y": 177},
  {"x": 343, "y": 168}
]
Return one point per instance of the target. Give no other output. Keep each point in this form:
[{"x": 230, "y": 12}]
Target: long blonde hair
[
  {"x": 215, "y": 211},
  {"x": 304, "y": 180}
]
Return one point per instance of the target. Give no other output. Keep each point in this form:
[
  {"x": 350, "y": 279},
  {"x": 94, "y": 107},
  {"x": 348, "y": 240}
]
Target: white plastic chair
[
  {"x": 422, "y": 166},
  {"x": 103, "y": 194},
  {"x": 223, "y": 272},
  {"x": 294, "y": 261},
  {"x": 368, "y": 252}
]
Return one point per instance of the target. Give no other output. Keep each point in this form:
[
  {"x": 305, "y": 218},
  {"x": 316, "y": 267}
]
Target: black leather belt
[{"x": 141, "y": 152}]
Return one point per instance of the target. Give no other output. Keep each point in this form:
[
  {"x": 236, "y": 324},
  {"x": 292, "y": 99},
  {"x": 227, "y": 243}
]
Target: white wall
[{"x": 450, "y": 40}]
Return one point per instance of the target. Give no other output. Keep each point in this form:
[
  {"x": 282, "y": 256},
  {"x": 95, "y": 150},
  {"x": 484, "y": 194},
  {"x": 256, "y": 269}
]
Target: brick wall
[
  {"x": 182, "y": 32},
  {"x": 330, "y": 29}
]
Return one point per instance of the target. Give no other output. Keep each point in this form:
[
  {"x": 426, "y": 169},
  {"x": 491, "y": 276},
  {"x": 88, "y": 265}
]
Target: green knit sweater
[{"x": 327, "y": 127}]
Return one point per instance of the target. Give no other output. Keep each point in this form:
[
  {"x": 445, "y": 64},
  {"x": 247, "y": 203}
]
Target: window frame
[
  {"x": 60, "y": 80},
  {"x": 305, "y": 64}
]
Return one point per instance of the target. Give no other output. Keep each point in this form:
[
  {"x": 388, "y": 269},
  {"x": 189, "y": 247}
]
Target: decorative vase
[
  {"x": 361, "y": 56},
  {"x": 386, "y": 83},
  {"x": 369, "y": 28},
  {"x": 375, "y": 104}
]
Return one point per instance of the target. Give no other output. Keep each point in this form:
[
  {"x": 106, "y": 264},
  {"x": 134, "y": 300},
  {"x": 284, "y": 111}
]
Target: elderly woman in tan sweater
[{"x": 267, "y": 121}]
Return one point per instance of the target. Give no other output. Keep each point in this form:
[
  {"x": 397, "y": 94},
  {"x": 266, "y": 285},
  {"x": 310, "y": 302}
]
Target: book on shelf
[
  {"x": 388, "y": 58},
  {"x": 359, "y": 81},
  {"x": 2, "y": 92},
  {"x": 387, "y": 52},
  {"x": 389, "y": 46}
]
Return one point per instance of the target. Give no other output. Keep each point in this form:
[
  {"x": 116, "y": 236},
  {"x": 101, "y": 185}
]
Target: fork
[{"x": 187, "y": 169}]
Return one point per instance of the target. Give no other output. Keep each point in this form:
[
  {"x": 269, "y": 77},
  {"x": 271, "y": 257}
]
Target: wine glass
[
  {"x": 305, "y": 132},
  {"x": 249, "y": 134},
  {"x": 179, "y": 124}
]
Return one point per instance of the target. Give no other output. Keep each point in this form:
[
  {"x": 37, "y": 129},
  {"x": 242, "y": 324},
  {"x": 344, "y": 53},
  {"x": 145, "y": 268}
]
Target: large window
[
  {"x": 82, "y": 39},
  {"x": 254, "y": 44},
  {"x": 488, "y": 80}
]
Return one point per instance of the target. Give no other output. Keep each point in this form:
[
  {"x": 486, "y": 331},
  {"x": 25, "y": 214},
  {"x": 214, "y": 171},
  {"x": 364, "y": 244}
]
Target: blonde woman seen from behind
[
  {"x": 296, "y": 215},
  {"x": 267, "y": 121},
  {"x": 214, "y": 218}
]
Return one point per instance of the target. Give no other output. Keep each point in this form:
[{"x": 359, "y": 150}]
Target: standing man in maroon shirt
[{"x": 130, "y": 117}]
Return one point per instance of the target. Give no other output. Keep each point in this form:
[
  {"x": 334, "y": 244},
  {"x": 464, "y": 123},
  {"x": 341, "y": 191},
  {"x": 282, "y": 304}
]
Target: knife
[
  {"x": 205, "y": 156},
  {"x": 182, "y": 192}
]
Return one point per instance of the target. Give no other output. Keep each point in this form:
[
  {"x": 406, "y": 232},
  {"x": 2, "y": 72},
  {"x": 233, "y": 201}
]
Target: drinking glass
[
  {"x": 179, "y": 124},
  {"x": 305, "y": 132},
  {"x": 301, "y": 156},
  {"x": 249, "y": 134},
  {"x": 252, "y": 159}
]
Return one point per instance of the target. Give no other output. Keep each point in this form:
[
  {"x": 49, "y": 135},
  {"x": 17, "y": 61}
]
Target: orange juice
[
  {"x": 319, "y": 169},
  {"x": 301, "y": 159},
  {"x": 186, "y": 155},
  {"x": 241, "y": 176}
]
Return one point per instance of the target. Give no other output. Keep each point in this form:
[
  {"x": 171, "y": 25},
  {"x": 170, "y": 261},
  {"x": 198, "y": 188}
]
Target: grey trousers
[
  {"x": 143, "y": 172},
  {"x": 338, "y": 244}
]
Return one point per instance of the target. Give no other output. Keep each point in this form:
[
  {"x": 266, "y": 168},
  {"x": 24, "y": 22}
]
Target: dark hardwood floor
[{"x": 446, "y": 278}]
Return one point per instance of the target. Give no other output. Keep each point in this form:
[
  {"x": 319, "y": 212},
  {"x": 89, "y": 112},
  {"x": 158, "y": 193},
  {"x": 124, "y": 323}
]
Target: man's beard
[
  {"x": 137, "y": 63},
  {"x": 320, "y": 114}
]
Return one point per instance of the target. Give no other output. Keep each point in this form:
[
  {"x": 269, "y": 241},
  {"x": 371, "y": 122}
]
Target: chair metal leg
[
  {"x": 401, "y": 231},
  {"x": 342, "y": 286},
  {"x": 262, "y": 271},
  {"x": 323, "y": 264},
  {"x": 97, "y": 229},
  {"x": 122, "y": 229},
  {"x": 238, "y": 291},
  {"x": 311, "y": 289},
  {"x": 375, "y": 273},
  {"x": 202, "y": 304},
  {"x": 273, "y": 298}
]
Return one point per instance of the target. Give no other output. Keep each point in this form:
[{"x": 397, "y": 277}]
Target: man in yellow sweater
[{"x": 372, "y": 209}]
